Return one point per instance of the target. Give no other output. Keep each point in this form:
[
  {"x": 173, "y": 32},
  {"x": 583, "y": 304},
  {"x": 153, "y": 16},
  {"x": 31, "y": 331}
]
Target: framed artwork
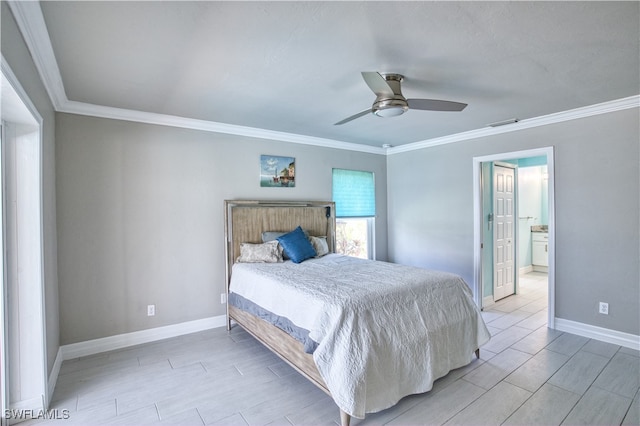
[{"x": 276, "y": 171}]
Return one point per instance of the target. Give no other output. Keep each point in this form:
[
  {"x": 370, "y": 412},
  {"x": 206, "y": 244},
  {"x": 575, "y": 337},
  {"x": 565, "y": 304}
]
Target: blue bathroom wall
[{"x": 532, "y": 161}]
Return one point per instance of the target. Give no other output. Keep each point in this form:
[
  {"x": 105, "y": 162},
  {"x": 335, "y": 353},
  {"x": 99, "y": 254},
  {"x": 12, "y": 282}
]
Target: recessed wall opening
[
  {"x": 524, "y": 221},
  {"x": 23, "y": 370}
]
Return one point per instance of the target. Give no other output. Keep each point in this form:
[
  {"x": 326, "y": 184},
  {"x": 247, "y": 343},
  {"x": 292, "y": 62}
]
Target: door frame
[
  {"x": 4, "y": 328},
  {"x": 17, "y": 99},
  {"x": 478, "y": 220}
]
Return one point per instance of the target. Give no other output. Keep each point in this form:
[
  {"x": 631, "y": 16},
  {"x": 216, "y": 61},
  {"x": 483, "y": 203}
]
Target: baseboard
[
  {"x": 53, "y": 376},
  {"x": 19, "y": 411},
  {"x": 487, "y": 301},
  {"x": 603, "y": 334},
  {"x": 525, "y": 269},
  {"x": 91, "y": 347}
]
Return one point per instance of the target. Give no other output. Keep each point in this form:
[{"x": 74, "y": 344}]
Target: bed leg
[
  {"x": 344, "y": 418},
  {"x": 478, "y": 353}
]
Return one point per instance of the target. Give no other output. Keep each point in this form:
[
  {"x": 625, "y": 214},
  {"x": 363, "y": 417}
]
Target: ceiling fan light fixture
[
  {"x": 390, "y": 107},
  {"x": 392, "y": 111}
]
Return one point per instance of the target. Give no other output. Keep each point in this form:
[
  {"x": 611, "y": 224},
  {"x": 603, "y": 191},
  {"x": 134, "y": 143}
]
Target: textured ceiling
[{"x": 295, "y": 66}]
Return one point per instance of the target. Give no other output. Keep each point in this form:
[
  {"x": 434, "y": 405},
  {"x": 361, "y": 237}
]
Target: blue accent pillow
[{"x": 296, "y": 245}]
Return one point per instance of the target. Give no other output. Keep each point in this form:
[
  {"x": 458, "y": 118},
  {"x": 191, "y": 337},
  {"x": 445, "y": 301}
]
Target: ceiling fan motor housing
[{"x": 385, "y": 106}]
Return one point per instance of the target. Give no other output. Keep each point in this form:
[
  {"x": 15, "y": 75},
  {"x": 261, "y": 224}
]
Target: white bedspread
[{"x": 384, "y": 330}]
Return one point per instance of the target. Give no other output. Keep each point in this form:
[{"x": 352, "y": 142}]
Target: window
[{"x": 355, "y": 198}]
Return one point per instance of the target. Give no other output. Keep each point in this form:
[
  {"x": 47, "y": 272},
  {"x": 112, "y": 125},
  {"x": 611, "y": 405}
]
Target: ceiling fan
[{"x": 390, "y": 102}]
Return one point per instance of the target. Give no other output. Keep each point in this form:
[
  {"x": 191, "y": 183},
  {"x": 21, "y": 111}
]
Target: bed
[{"x": 368, "y": 333}]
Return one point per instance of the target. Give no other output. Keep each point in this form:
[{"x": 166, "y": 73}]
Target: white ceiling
[{"x": 295, "y": 67}]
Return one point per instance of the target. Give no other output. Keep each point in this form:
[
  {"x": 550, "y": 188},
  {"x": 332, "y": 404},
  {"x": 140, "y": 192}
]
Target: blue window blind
[{"x": 354, "y": 193}]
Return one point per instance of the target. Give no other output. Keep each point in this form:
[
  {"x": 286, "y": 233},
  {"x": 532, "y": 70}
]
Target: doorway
[
  {"x": 483, "y": 249},
  {"x": 23, "y": 369}
]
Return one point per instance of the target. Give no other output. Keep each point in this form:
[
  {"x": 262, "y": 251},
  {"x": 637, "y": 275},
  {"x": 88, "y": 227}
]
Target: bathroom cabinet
[{"x": 540, "y": 251}]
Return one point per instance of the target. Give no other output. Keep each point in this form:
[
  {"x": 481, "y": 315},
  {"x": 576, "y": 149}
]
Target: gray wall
[
  {"x": 19, "y": 59},
  {"x": 597, "y": 196},
  {"x": 140, "y": 217}
]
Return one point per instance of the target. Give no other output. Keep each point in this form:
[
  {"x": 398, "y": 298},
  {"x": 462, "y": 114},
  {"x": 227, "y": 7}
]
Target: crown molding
[
  {"x": 559, "y": 117},
  {"x": 101, "y": 111},
  {"x": 28, "y": 16},
  {"x": 30, "y": 20}
]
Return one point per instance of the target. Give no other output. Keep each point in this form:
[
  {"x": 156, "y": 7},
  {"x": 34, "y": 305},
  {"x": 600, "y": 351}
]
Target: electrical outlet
[
  {"x": 151, "y": 310},
  {"x": 604, "y": 308},
  {"x": 223, "y": 298}
]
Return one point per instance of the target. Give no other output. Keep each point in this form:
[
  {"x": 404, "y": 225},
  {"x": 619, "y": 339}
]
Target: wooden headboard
[{"x": 245, "y": 221}]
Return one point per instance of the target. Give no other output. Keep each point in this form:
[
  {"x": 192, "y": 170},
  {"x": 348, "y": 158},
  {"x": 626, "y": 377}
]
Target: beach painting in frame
[{"x": 276, "y": 171}]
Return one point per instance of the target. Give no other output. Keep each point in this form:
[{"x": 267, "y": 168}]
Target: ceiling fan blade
[
  {"x": 377, "y": 83},
  {"x": 353, "y": 117},
  {"x": 435, "y": 105}
]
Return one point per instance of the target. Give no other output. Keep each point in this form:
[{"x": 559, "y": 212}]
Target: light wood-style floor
[{"x": 527, "y": 375}]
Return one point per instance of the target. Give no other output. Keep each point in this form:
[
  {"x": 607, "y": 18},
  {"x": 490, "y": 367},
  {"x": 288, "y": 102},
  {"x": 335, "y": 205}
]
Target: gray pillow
[
  {"x": 320, "y": 245},
  {"x": 269, "y": 252}
]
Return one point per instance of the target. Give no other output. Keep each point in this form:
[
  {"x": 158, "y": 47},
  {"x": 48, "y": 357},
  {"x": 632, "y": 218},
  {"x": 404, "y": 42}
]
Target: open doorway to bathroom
[{"x": 534, "y": 271}]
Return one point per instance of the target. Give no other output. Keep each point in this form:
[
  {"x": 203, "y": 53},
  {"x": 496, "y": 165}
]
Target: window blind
[{"x": 354, "y": 193}]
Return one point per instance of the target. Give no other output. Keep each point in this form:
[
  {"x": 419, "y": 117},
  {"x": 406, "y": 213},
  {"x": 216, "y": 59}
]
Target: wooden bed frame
[{"x": 244, "y": 222}]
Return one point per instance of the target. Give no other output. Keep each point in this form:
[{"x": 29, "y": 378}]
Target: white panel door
[{"x": 503, "y": 232}]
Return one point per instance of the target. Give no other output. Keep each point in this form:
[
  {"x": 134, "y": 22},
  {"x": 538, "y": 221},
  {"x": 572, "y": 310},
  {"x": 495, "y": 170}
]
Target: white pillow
[
  {"x": 269, "y": 252},
  {"x": 320, "y": 245}
]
